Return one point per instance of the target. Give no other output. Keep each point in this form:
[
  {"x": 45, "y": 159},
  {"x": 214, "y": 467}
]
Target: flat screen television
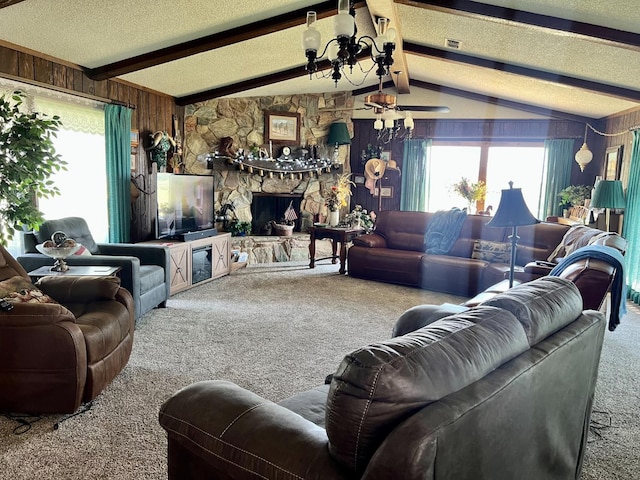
[{"x": 185, "y": 204}]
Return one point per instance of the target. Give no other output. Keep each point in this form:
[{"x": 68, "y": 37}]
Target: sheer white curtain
[{"x": 80, "y": 142}]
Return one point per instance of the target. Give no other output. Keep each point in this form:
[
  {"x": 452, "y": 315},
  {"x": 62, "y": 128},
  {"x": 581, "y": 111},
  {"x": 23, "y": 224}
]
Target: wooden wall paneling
[
  {"x": 59, "y": 75},
  {"x": 8, "y": 61},
  {"x": 42, "y": 70},
  {"x": 25, "y": 66}
]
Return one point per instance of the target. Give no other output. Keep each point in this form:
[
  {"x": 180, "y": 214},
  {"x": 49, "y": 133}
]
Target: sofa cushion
[
  {"x": 150, "y": 277},
  {"x": 543, "y": 306},
  {"x": 497, "y": 252},
  {"x": 378, "y": 386},
  {"x": 80, "y": 289}
]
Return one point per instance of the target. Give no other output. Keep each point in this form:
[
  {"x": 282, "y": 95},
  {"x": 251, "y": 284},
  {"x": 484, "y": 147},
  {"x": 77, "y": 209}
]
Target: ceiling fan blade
[
  {"x": 424, "y": 108},
  {"x": 342, "y": 109}
]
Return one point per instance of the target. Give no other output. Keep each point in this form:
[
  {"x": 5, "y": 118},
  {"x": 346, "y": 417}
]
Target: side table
[
  {"x": 100, "y": 271},
  {"x": 342, "y": 235}
]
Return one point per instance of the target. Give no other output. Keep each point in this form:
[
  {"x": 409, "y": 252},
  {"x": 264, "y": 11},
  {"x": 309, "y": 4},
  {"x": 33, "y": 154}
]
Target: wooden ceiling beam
[
  {"x": 212, "y": 42},
  {"x": 8, "y": 3},
  {"x": 501, "y": 102},
  {"x": 564, "y": 27},
  {"x": 612, "y": 90}
]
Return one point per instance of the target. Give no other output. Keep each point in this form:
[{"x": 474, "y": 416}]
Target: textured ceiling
[{"x": 603, "y": 75}]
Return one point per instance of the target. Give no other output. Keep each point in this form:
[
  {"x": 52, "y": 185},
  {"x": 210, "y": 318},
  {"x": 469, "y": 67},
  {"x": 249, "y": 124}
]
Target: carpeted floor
[{"x": 275, "y": 329}]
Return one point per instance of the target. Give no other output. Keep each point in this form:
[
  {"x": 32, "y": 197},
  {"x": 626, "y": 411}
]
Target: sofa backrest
[
  {"x": 377, "y": 387},
  {"x": 406, "y": 231},
  {"x": 403, "y": 230}
]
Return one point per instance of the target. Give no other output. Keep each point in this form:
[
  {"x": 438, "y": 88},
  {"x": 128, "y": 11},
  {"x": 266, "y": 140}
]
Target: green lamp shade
[
  {"x": 339, "y": 134},
  {"x": 608, "y": 194}
]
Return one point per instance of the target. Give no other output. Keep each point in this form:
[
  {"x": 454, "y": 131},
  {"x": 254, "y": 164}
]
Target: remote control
[{"x": 5, "y": 306}]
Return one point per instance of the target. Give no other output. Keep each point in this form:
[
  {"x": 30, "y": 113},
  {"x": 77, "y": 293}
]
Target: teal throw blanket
[
  {"x": 618, "y": 287},
  {"x": 443, "y": 230}
]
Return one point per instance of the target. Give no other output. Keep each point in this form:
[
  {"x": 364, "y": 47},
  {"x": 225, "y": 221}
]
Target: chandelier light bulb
[
  {"x": 584, "y": 155},
  {"x": 344, "y": 25},
  {"x": 408, "y": 121},
  {"x": 378, "y": 125},
  {"x": 311, "y": 36}
]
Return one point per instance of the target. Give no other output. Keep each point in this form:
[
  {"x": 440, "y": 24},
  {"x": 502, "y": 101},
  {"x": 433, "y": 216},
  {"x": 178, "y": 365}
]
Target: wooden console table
[{"x": 342, "y": 235}]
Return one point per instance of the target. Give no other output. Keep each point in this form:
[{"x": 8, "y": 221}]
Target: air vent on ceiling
[{"x": 451, "y": 43}]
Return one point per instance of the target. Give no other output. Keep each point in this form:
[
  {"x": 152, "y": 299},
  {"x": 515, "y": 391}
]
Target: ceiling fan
[{"x": 381, "y": 103}]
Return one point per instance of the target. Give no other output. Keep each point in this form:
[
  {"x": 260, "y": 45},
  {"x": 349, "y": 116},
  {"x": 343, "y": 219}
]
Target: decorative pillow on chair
[
  {"x": 83, "y": 251},
  {"x": 494, "y": 252},
  {"x": 20, "y": 290}
]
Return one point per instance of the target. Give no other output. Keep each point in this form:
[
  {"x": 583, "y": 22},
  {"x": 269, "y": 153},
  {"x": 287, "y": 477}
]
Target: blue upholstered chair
[{"x": 145, "y": 269}]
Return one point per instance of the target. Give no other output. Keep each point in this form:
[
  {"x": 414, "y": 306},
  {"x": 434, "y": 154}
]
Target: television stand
[{"x": 197, "y": 261}]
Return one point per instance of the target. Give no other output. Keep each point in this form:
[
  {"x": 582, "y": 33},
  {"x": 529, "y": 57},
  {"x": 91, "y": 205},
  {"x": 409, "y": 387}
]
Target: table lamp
[
  {"x": 338, "y": 135},
  {"x": 608, "y": 194},
  {"x": 512, "y": 212}
]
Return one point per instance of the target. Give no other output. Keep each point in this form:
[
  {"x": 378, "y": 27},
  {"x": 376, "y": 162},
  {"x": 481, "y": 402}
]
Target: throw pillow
[
  {"x": 20, "y": 290},
  {"x": 494, "y": 252},
  {"x": 83, "y": 251}
]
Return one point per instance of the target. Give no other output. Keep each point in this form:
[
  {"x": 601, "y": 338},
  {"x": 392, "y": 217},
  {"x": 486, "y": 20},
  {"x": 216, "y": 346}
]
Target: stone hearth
[{"x": 269, "y": 249}]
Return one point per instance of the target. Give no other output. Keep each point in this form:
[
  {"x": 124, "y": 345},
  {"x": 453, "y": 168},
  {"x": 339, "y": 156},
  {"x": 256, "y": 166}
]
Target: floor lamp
[
  {"x": 608, "y": 194},
  {"x": 512, "y": 212}
]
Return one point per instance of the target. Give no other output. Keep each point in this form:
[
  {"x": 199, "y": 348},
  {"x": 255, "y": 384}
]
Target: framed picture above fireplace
[{"x": 282, "y": 127}]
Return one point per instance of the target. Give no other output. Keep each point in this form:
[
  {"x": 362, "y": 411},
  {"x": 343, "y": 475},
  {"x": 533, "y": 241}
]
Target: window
[
  {"x": 495, "y": 164},
  {"x": 81, "y": 143}
]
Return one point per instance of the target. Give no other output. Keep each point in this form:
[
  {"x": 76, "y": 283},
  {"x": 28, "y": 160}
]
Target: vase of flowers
[
  {"x": 360, "y": 218},
  {"x": 336, "y": 197},
  {"x": 471, "y": 192}
]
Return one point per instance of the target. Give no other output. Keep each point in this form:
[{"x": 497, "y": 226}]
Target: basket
[{"x": 282, "y": 230}]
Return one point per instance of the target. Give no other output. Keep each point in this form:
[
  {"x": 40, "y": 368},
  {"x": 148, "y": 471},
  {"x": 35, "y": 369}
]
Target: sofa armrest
[
  {"x": 148, "y": 254},
  {"x": 371, "y": 240},
  {"x": 79, "y": 289},
  {"x": 539, "y": 268},
  {"x": 35, "y": 314},
  {"x": 239, "y": 434}
]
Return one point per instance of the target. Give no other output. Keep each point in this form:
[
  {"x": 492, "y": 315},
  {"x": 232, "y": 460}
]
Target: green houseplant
[
  {"x": 573, "y": 195},
  {"x": 27, "y": 160}
]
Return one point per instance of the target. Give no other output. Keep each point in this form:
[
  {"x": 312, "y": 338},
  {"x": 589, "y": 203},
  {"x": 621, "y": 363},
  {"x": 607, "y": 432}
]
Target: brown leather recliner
[{"x": 56, "y": 356}]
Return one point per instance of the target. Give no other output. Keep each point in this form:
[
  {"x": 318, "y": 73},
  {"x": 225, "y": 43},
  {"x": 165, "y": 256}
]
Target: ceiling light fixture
[
  {"x": 342, "y": 51},
  {"x": 388, "y": 126},
  {"x": 584, "y": 155}
]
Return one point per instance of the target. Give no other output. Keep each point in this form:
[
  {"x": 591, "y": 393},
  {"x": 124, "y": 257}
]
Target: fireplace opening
[{"x": 266, "y": 207}]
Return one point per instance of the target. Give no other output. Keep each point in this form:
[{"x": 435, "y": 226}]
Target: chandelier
[{"x": 343, "y": 50}]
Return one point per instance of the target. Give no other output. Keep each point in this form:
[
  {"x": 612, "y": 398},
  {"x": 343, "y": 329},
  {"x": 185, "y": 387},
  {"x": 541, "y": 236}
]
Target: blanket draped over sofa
[
  {"x": 618, "y": 287},
  {"x": 444, "y": 230}
]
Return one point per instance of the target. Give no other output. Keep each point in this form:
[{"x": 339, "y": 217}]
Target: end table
[{"x": 342, "y": 235}]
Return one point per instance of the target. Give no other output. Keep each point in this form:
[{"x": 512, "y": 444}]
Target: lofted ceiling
[{"x": 575, "y": 59}]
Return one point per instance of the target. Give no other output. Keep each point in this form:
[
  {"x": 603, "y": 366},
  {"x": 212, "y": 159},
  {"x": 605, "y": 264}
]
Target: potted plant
[
  {"x": 572, "y": 196},
  {"x": 27, "y": 160}
]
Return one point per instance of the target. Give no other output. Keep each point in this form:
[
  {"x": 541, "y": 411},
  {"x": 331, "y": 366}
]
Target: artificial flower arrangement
[
  {"x": 471, "y": 192},
  {"x": 336, "y": 196},
  {"x": 359, "y": 217}
]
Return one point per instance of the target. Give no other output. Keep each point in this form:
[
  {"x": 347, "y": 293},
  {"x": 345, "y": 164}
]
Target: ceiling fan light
[
  {"x": 389, "y": 122},
  {"x": 584, "y": 156},
  {"x": 408, "y": 122},
  {"x": 378, "y": 125}
]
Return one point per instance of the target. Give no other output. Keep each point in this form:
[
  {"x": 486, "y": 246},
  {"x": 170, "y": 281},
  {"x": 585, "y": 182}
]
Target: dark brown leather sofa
[
  {"x": 394, "y": 252},
  {"x": 500, "y": 391},
  {"x": 56, "y": 356}
]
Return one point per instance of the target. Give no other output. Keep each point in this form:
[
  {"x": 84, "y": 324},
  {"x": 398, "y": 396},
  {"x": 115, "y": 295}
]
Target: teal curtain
[
  {"x": 118, "y": 151},
  {"x": 631, "y": 227},
  {"x": 558, "y": 161},
  {"x": 415, "y": 165}
]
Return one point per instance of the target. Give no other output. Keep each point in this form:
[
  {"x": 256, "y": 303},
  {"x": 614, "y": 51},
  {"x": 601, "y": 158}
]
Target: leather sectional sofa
[
  {"x": 502, "y": 390},
  {"x": 395, "y": 252}
]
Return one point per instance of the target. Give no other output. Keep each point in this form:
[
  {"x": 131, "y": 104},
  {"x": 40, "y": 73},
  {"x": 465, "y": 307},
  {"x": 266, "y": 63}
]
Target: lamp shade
[
  {"x": 608, "y": 194},
  {"x": 512, "y": 210},
  {"x": 339, "y": 134}
]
